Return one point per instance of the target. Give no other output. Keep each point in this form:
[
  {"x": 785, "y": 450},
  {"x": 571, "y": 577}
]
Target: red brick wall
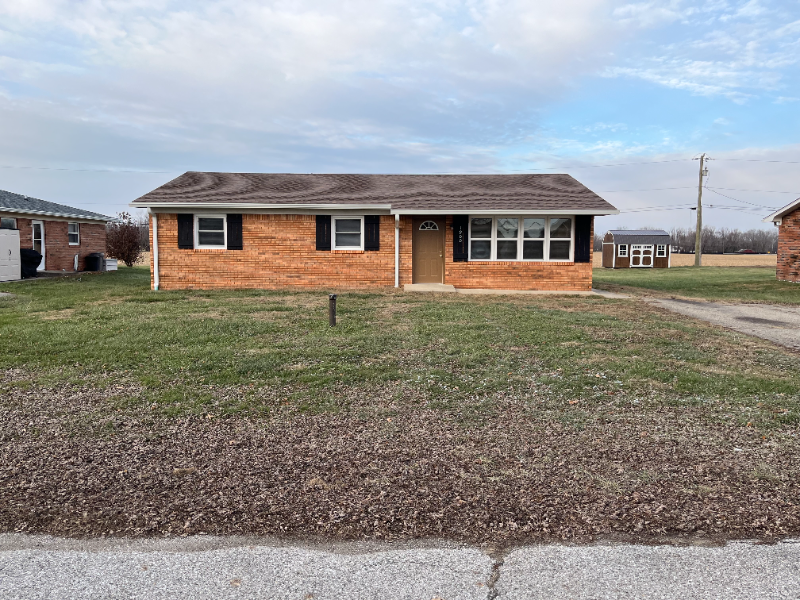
[
  {"x": 789, "y": 248},
  {"x": 59, "y": 255},
  {"x": 280, "y": 251}
]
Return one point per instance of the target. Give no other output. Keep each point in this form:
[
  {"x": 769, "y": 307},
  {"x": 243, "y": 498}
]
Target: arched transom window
[{"x": 429, "y": 226}]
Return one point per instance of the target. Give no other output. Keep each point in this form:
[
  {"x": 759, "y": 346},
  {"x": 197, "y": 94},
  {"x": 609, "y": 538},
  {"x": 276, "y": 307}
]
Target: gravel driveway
[
  {"x": 778, "y": 324},
  {"x": 205, "y": 567}
]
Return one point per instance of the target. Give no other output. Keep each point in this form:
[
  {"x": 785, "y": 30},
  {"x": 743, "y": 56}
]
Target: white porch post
[
  {"x": 397, "y": 251},
  {"x": 155, "y": 250}
]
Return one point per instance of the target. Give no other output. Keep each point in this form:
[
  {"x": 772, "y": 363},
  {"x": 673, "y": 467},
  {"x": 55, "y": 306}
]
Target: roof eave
[
  {"x": 513, "y": 211},
  {"x": 780, "y": 213},
  {"x": 256, "y": 206},
  {"x": 42, "y": 213},
  {"x": 388, "y": 207}
]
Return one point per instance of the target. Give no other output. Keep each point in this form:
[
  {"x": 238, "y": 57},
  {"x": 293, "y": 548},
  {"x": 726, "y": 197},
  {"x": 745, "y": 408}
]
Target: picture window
[{"x": 521, "y": 238}]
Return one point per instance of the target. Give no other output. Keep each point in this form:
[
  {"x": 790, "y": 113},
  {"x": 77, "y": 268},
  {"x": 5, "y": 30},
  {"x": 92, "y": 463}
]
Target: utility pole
[{"x": 698, "y": 250}]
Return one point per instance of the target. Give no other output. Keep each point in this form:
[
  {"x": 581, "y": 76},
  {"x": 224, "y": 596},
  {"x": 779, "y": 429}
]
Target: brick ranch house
[
  {"x": 787, "y": 220},
  {"x": 264, "y": 230},
  {"x": 58, "y": 232}
]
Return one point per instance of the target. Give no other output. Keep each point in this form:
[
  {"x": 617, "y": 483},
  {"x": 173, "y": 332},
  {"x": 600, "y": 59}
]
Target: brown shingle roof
[{"x": 400, "y": 192}]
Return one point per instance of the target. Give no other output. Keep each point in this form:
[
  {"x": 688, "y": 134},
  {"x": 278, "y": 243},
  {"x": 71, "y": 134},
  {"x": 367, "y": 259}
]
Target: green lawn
[
  {"x": 732, "y": 284},
  {"x": 233, "y": 351},
  {"x": 489, "y": 419}
]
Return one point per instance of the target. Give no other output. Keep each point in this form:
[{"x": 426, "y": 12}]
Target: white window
[
  {"x": 661, "y": 251},
  {"x": 8, "y": 223},
  {"x": 560, "y": 239},
  {"x": 73, "y": 234},
  {"x": 348, "y": 233},
  {"x": 622, "y": 250},
  {"x": 211, "y": 231},
  {"x": 521, "y": 238}
]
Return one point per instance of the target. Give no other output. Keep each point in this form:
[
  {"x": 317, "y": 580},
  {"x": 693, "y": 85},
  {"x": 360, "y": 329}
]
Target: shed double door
[{"x": 641, "y": 255}]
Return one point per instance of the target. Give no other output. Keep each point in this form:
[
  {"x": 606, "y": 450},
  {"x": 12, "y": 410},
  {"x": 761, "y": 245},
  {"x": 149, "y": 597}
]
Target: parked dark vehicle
[
  {"x": 29, "y": 261},
  {"x": 746, "y": 251}
]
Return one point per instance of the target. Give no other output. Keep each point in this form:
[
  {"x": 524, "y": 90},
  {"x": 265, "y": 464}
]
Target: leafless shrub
[{"x": 123, "y": 239}]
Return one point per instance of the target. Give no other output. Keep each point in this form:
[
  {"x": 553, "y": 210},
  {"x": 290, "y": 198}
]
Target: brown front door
[{"x": 428, "y": 251}]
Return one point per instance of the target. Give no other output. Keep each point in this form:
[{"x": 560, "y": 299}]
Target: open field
[
  {"x": 482, "y": 418},
  {"x": 735, "y": 284},
  {"x": 711, "y": 260}
]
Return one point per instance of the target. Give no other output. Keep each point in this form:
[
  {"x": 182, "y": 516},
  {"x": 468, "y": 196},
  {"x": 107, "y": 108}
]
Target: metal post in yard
[{"x": 332, "y": 310}]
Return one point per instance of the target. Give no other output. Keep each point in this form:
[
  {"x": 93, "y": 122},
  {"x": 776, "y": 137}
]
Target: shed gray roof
[
  {"x": 399, "y": 193},
  {"x": 640, "y": 236},
  {"x": 17, "y": 203}
]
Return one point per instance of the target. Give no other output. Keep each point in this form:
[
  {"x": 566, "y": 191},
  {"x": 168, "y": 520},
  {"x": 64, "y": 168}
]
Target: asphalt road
[
  {"x": 205, "y": 567},
  {"x": 778, "y": 324}
]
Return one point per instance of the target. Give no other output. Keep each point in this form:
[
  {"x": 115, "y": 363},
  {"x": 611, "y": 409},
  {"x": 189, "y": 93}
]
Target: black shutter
[
  {"x": 235, "y": 232},
  {"x": 583, "y": 238},
  {"x": 323, "y": 232},
  {"x": 186, "y": 232},
  {"x": 372, "y": 232},
  {"x": 460, "y": 238}
]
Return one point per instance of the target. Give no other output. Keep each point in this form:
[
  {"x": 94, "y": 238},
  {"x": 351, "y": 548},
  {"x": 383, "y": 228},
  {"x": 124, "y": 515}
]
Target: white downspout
[
  {"x": 155, "y": 249},
  {"x": 397, "y": 251}
]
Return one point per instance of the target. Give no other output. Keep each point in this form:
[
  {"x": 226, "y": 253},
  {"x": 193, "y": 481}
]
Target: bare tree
[{"x": 123, "y": 239}]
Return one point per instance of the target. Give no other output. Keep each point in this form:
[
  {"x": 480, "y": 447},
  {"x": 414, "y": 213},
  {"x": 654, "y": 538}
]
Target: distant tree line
[{"x": 717, "y": 241}]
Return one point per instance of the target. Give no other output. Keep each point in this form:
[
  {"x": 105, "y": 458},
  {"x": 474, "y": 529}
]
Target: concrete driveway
[
  {"x": 776, "y": 323},
  {"x": 206, "y": 567}
]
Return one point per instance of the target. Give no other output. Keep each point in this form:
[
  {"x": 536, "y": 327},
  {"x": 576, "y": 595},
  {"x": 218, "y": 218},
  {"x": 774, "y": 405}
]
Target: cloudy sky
[{"x": 104, "y": 100}]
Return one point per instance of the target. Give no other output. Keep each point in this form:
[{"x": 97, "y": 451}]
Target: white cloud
[{"x": 323, "y": 72}]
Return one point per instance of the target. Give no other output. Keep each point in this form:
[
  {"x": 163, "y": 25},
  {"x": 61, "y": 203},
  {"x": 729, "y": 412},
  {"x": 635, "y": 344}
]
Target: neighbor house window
[
  {"x": 661, "y": 251},
  {"x": 73, "y": 234},
  {"x": 622, "y": 250},
  {"x": 520, "y": 238},
  {"x": 8, "y": 223},
  {"x": 348, "y": 233},
  {"x": 210, "y": 231}
]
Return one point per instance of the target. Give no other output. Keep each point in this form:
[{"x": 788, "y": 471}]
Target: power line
[
  {"x": 735, "y": 199},
  {"x": 786, "y": 162},
  {"x": 655, "y": 208},
  {"x": 748, "y": 190},
  {"x": 652, "y": 162},
  {"x": 685, "y": 187},
  {"x": 82, "y": 170}
]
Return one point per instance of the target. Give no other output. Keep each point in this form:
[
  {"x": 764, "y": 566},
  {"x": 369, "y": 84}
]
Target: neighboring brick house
[
  {"x": 56, "y": 231},
  {"x": 261, "y": 230},
  {"x": 632, "y": 248},
  {"x": 787, "y": 220}
]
